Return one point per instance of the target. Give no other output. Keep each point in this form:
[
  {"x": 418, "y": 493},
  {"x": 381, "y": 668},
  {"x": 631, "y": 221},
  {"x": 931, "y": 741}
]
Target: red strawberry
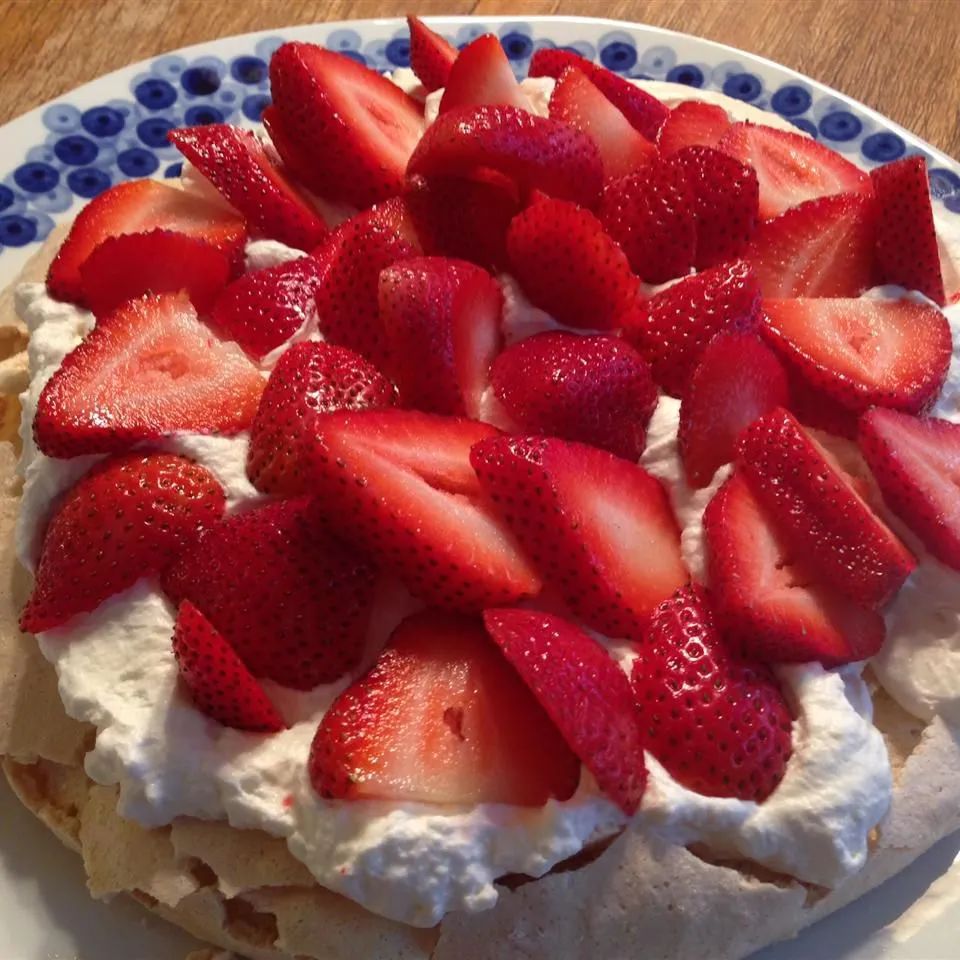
[
  {"x": 578, "y": 102},
  {"x": 914, "y": 463},
  {"x": 480, "y": 75},
  {"x": 292, "y": 601},
  {"x": 263, "y": 309},
  {"x": 716, "y": 720},
  {"x": 791, "y": 167},
  {"x": 692, "y": 124},
  {"x": 568, "y": 266},
  {"x": 431, "y": 56},
  {"x": 600, "y": 529},
  {"x": 294, "y": 156},
  {"x": 861, "y": 353},
  {"x": 354, "y": 127},
  {"x": 814, "y": 408},
  {"x": 219, "y": 684},
  {"x": 400, "y": 484},
  {"x": 737, "y": 380},
  {"x": 907, "y": 250},
  {"x": 646, "y": 113},
  {"x": 441, "y": 718},
  {"x": 584, "y": 692},
  {"x": 768, "y": 600},
  {"x": 310, "y": 379},
  {"x": 652, "y": 216},
  {"x": 672, "y": 328},
  {"x": 537, "y": 153},
  {"x": 128, "y": 518},
  {"x": 822, "y": 248},
  {"x": 725, "y": 200},
  {"x": 552, "y": 61},
  {"x": 819, "y": 512},
  {"x": 235, "y": 162},
  {"x": 442, "y": 320},
  {"x": 596, "y": 390},
  {"x": 147, "y": 370},
  {"x": 126, "y": 267},
  {"x": 135, "y": 207}
]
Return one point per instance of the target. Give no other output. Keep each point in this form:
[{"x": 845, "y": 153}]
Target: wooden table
[{"x": 900, "y": 56}]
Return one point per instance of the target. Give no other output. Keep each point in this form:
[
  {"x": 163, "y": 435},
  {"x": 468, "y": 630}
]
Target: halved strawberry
[
  {"x": 219, "y": 683},
  {"x": 822, "y": 248},
  {"x": 584, "y": 692},
  {"x": 292, "y": 601},
  {"x": 768, "y": 600},
  {"x": 907, "y": 250},
  {"x": 577, "y": 101},
  {"x": 431, "y": 56},
  {"x": 595, "y": 390},
  {"x": 441, "y": 718},
  {"x": 692, "y": 124},
  {"x": 237, "y": 164},
  {"x": 128, "y": 518},
  {"x": 820, "y": 513},
  {"x": 568, "y": 266},
  {"x": 400, "y": 484},
  {"x": 137, "y": 206},
  {"x": 889, "y": 353},
  {"x": 147, "y": 370},
  {"x": 552, "y": 61},
  {"x": 791, "y": 167},
  {"x": 672, "y": 328},
  {"x": 295, "y": 158},
  {"x": 537, "y": 153},
  {"x": 481, "y": 74},
  {"x": 162, "y": 261},
  {"x": 355, "y": 128},
  {"x": 441, "y": 318},
  {"x": 600, "y": 529},
  {"x": 737, "y": 380},
  {"x": 916, "y": 463}
]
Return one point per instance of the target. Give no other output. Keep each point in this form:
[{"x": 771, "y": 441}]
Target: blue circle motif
[
  {"x": 687, "y": 73},
  {"x": 267, "y": 47},
  {"x": 254, "y": 105},
  {"x": 343, "y": 40},
  {"x": 155, "y": 94},
  {"x": 36, "y": 177},
  {"x": 137, "y": 162},
  {"x": 56, "y": 201},
  {"x": 42, "y": 154},
  {"x": 61, "y": 118},
  {"x": 7, "y": 197},
  {"x": 88, "y": 182},
  {"x": 952, "y": 203},
  {"x": 17, "y": 231},
  {"x": 200, "y": 81},
  {"x": 517, "y": 46},
  {"x": 153, "y": 131},
  {"x": 170, "y": 66},
  {"x": 658, "y": 60},
  {"x": 201, "y": 116},
  {"x": 102, "y": 121},
  {"x": 791, "y": 100},
  {"x": 841, "y": 125},
  {"x": 251, "y": 70},
  {"x": 76, "y": 151},
  {"x": 397, "y": 52},
  {"x": 586, "y": 50},
  {"x": 743, "y": 86},
  {"x": 801, "y": 123},
  {"x": 943, "y": 182},
  {"x": 618, "y": 56},
  {"x": 883, "y": 147},
  {"x": 174, "y": 170}
]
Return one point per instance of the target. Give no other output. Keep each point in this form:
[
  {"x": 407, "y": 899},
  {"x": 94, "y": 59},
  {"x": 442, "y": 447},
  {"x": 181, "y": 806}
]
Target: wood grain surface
[{"x": 901, "y": 57}]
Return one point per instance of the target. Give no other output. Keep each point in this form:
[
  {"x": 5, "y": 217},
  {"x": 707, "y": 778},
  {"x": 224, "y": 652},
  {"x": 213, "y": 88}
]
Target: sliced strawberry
[
  {"x": 126, "y": 267},
  {"x": 128, "y": 518},
  {"x": 441, "y": 718},
  {"x": 537, "y": 153},
  {"x": 715, "y": 719},
  {"x": 767, "y": 598},
  {"x": 147, "y": 370},
  {"x": 916, "y": 463},
  {"x": 595, "y": 390},
  {"x": 907, "y": 250},
  {"x": 583, "y": 691},
  {"x": 138, "y": 206},
  {"x": 355, "y": 128},
  {"x": 292, "y": 601},
  {"x": 568, "y": 266},
  {"x": 599, "y": 528},
  {"x": 820, "y": 513},
  {"x": 737, "y": 380},
  {"x": 235, "y": 162},
  {"x": 889, "y": 353},
  {"x": 814, "y": 408},
  {"x": 791, "y": 167},
  {"x": 692, "y": 124},
  {"x": 431, "y": 56},
  {"x": 400, "y": 484},
  {"x": 578, "y": 102},
  {"x": 480, "y": 75},
  {"x": 552, "y": 61},
  {"x": 295, "y": 158},
  {"x": 442, "y": 321},
  {"x": 822, "y": 248},
  {"x": 652, "y": 216},
  {"x": 646, "y": 114},
  {"x": 672, "y": 328},
  {"x": 219, "y": 683}
]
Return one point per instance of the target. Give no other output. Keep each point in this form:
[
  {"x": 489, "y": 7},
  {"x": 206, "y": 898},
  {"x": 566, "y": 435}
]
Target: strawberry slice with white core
[
  {"x": 599, "y": 529},
  {"x": 441, "y": 318},
  {"x": 441, "y": 718},
  {"x": 768, "y": 598},
  {"x": 692, "y": 124},
  {"x": 355, "y": 128},
  {"x": 147, "y": 370},
  {"x": 820, "y": 513},
  {"x": 862, "y": 353},
  {"x": 431, "y": 56},
  {"x": 585, "y": 693},
  {"x": 480, "y": 75},
  {"x": 916, "y": 463},
  {"x": 791, "y": 167}
]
